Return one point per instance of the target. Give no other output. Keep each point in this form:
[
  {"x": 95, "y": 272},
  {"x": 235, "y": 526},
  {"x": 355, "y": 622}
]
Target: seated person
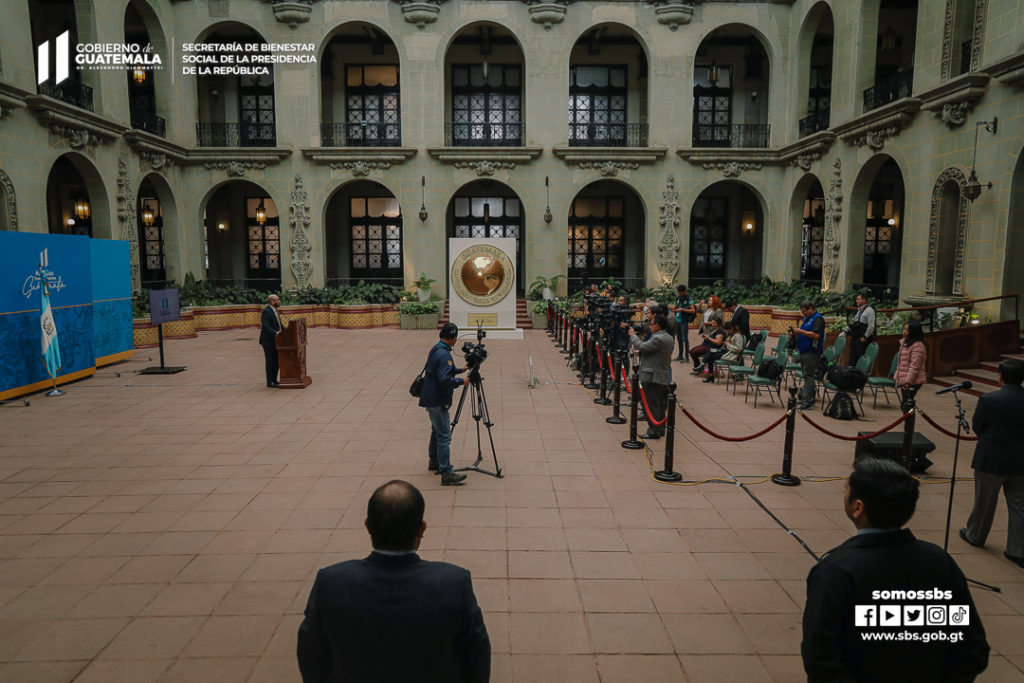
[{"x": 714, "y": 343}]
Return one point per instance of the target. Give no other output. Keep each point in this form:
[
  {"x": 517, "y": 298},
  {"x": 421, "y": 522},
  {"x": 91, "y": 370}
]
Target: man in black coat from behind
[
  {"x": 999, "y": 461},
  {"x": 869, "y": 600},
  {"x": 270, "y": 327},
  {"x": 741, "y": 317},
  {"x": 393, "y": 616}
]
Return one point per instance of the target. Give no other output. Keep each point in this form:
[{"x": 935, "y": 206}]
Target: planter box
[
  {"x": 428, "y": 321},
  {"x": 539, "y": 320},
  {"x": 409, "y": 322}
]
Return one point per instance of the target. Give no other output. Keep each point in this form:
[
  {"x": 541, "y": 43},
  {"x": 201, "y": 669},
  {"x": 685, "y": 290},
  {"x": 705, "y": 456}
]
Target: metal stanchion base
[
  {"x": 603, "y": 401},
  {"x": 632, "y": 445},
  {"x": 786, "y": 479},
  {"x": 55, "y": 392},
  {"x": 591, "y": 385},
  {"x": 616, "y": 420},
  {"x": 564, "y": 351},
  {"x": 668, "y": 476}
]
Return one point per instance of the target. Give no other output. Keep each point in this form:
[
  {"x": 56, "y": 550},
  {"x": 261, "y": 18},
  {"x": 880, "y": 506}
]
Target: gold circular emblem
[{"x": 482, "y": 275}]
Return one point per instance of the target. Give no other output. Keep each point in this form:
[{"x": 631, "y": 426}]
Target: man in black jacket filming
[
  {"x": 885, "y": 606},
  {"x": 439, "y": 381}
]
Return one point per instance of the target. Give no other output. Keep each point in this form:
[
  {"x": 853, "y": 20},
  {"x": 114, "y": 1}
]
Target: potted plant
[
  {"x": 539, "y": 314},
  {"x": 430, "y": 313},
  {"x": 408, "y": 315},
  {"x": 423, "y": 286},
  {"x": 542, "y": 288}
]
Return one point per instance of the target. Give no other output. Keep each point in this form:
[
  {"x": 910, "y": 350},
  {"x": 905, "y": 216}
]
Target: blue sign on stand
[{"x": 163, "y": 306}]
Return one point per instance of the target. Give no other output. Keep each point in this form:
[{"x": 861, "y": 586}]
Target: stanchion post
[
  {"x": 668, "y": 474},
  {"x": 602, "y": 353},
  {"x": 591, "y": 358},
  {"x": 908, "y": 405},
  {"x": 786, "y": 478},
  {"x": 551, "y": 318},
  {"x": 616, "y": 418},
  {"x": 632, "y": 443}
]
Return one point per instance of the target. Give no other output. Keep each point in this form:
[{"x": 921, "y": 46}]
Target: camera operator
[
  {"x": 439, "y": 380},
  {"x": 655, "y": 366},
  {"x": 622, "y": 313},
  {"x": 685, "y": 312},
  {"x": 861, "y": 331},
  {"x": 810, "y": 342}
]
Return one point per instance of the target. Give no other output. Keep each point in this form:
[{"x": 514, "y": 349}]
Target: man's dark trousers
[
  {"x": 683, "y": 335},
  {"x": 657, "y": 398},
  {"x": 857, "y": 349},
  {"x": 809, "y": 367},
  {"x": 270, "y": 353}
]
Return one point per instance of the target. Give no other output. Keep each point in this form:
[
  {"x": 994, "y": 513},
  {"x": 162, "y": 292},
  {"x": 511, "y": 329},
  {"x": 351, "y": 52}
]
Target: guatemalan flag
[{"x": 51, "y": 349}]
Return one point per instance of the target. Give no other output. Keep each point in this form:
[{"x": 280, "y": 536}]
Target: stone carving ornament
[
  {"x": 300, "y": 244},
  {"x": 236, "y": 169},
  {"x": 962, "y": 224},
  {"x": 547, "y": 13},
  {"x": 360, "y": 168},
  {"x": 158, "y": 161},
  {"x": 420, "y": 13},
  {"x": 731, "y": 169},
  {"x": 126, "y": 216},
  {"x": 668, "y": 241},
  {"x": 672, "y": 13},
  {"x": 609, "y": 168},
  {"x": 833, "y": 215},
  {"x": 10, "y": 201},
  {"x": 485, "y": 168},
  {"x": 76, "y": 137}
]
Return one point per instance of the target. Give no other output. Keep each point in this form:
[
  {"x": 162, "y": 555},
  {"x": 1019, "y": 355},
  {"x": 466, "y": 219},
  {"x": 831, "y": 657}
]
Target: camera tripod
[{"x": 478, "y": 400}]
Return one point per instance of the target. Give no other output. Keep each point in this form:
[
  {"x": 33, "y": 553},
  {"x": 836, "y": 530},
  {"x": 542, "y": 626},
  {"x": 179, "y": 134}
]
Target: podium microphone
[{"x": 963, "y": 385}]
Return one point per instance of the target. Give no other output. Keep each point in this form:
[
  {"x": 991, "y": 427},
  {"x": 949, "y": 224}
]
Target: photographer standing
[
  {"x": 655, "y": 365},
  {"x": 861, "y": 330},
  {"x": 439, "y": 381},
  {"x": 685, "y": 312},
  {"x": 810, "y": 342}
]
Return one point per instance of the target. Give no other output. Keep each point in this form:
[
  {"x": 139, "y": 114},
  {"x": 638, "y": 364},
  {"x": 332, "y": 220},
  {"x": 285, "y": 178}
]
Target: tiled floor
[{"x": 168, "y": 528}]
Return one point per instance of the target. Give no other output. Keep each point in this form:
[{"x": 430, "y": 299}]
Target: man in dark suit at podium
[
  {"x": 393, "y": 616},
  {"x": 270, "y": 326}
]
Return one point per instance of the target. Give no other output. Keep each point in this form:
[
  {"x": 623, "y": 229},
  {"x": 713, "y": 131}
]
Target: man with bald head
[
  {"x": 270, "y": 326},
  {"x": 394, "y": 616}
]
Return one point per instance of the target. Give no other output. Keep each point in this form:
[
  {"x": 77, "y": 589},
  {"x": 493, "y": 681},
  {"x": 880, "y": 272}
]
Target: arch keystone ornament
[
  {"x": 482, "y": 275},
  {"x": 668, "y": 242}
]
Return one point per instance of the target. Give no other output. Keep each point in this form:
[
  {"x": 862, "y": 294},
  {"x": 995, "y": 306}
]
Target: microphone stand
[{"x": 962, "y": 426}]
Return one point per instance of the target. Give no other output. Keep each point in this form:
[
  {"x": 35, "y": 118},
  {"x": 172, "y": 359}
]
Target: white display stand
[{"x": 502, "y": 315}]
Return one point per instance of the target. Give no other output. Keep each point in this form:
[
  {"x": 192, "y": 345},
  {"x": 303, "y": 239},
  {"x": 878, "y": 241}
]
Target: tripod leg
[
  {"x": 490, "y": 436},
  {"x": 458, "y": 411}
]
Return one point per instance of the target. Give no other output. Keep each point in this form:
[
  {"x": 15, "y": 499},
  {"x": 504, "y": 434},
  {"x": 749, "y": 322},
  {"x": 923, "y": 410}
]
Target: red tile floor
[{"x": 168, "y": 528}]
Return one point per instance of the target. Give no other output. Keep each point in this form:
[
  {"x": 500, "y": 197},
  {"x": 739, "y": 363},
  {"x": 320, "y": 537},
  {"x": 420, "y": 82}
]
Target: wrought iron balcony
[
  {"x": 149, "y": 122},
  {"x": 72, "y": 92},
  {"x": 484, "y": 134},
  {"x": 814, "y": 122},
  {"x": 889, "y": 90},
  {"x": 360, "y": 134},
  {"x": 607, "y": 134},
  {"x": 235, "y": 135},
  {"x": 731, "y": 135}
]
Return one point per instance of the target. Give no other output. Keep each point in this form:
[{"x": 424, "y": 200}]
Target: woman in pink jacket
[{"x": 910, "y": 373}]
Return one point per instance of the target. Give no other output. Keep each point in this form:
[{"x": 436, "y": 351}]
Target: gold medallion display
[{"x": 482, "y": 275}]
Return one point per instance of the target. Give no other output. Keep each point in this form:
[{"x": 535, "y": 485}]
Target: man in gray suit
[
  {"x": 999, "y": 461},
  {"x": 655, "y": 363}
]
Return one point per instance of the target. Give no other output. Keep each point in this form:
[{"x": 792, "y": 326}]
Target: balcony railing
[
  {"x": 149, "y": 122},
  {"x": 732, "y": 135},
  {"x": 484, "y": 134},
  {"x": 71, "y": 92},
  {"x": 235, "y": 135},
  {"x": 814, "y": 122},
  {"x": 607, "y": 134},
  {"x": 360, "y": 134},
  {"x": 889, "y": 90}
]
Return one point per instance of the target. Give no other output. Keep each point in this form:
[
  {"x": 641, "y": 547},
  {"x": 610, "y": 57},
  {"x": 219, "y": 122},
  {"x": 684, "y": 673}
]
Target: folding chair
[
  {"x": 884, "y": 384},
  {"x": 759, "y": 382},
  {"x": 737, "y": 372}
]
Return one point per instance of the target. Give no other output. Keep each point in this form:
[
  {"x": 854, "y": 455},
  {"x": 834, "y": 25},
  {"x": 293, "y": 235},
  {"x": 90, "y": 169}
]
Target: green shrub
[
  {"x": 419, "y": 308},
  {"x": 539, "y": 307}
]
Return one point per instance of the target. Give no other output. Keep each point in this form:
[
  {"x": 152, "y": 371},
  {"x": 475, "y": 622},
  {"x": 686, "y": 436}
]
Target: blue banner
[{"x": 112, "y": 299}]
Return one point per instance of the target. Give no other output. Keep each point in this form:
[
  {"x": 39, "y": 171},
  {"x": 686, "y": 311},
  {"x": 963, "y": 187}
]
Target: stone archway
[
  {"x": 947, "y": 234},
  {"x": 9, "y": 204}
]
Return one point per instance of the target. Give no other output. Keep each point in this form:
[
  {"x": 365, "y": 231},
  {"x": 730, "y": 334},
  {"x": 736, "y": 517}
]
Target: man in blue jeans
[{"x": 439, "y": 381}]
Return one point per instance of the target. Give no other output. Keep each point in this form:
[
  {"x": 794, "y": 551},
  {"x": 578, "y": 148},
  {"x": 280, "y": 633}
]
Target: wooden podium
[{"x": 291, "y": 353}]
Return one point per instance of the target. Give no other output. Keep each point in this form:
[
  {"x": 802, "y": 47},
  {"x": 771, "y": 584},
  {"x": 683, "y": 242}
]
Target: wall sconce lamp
[
  {"x": 261, "y": 213},
  {"x": 139, "y": 76},
  {"x": 892, "y": 222},
  {"x": 972, "y": 190},
  {"x": 749, "y": 222},
  {"x": 82, "y": 209},
  {"x": 713, "y": 72},
  {"x": 222, "y": 227},
  {"x": 423, "y": 198},
  {"x": 148, "y": 215},
  {"x": 547, "y": 192},
  {"x": 71, "y": 221}
]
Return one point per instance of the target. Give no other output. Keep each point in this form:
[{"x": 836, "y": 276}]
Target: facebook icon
[{"x": 865, "y": 615}]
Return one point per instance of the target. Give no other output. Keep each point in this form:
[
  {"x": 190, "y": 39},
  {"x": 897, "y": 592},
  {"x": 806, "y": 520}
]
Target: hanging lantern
[
  {"x": 713, "y": 74},
  {"x": 139, "y": 76},
  {"x": 261, "y": 213},
  {"x": 82, "y": 208},
  {"x": 148, "y": 216}
]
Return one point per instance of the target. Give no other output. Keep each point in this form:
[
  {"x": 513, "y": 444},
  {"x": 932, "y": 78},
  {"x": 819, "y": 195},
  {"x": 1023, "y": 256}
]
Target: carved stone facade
[
  {"x": 731, "y": 169},
  {"x": 609, "y": 169},
  {"x": 485, "y": 168},
  {"x": 833, "y": 241},
  {"x": 360, "y": 168},
  {"x": 950, "y": 52},
  {"x": 126, "y": 217},
  {"x": 300, "y": 243},
  {"x": 963, "y": 210},
  {"x": 10, "y": 202},
  {"x": 668, "y": 240},
  {"x": 235, "y": 169}
]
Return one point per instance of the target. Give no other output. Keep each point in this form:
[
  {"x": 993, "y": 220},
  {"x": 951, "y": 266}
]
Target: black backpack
[
  {"x": 841, "y": 407},
  {"x": 769, "y": 369},
  {"x": 846, "y": 379}
]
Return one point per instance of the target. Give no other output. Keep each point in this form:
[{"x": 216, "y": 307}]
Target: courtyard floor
[{"x": 169, "y": 528}]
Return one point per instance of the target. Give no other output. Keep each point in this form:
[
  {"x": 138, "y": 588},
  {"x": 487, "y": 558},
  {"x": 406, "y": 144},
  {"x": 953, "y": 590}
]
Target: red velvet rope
[
  {"x": 946, "y": 431},
  {"x": 647, "y": 409},
  {"x": 597, "y": 351},
  {"x": 625, "y": 380},
  {"x": 883, "y": 430},
  {"x": 611, "y": 366},
  {"x": 764, "y": 431}
]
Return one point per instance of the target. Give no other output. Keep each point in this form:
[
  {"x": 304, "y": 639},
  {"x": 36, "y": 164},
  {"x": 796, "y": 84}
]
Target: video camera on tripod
[{"x": 475, "y": 354}]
